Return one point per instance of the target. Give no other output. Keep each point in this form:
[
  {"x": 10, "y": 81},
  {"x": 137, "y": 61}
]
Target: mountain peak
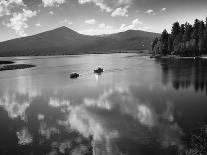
[
  {"x": 65, "y": 29},
  {"x": 62, "y": 32}
]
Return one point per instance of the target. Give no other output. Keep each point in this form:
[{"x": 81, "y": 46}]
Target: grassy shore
[
  {"x": 6, "y": 65},
  {"x": 5, "y": 62}
]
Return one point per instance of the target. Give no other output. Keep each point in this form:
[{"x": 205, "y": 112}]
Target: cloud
[
  {"x": 38, "y": 24},
  {"x": 120, "y": 12},
  {"x": 134, "y": 24},
  {"x": 146, "y": 27},
  {"x": 149, "y": 11},
  {"x": 18, "y": 21},
  {"x": 50, "y": 3},
  {"x": 68, "y": 22},
  {"x": 7, "y": 5},
  {"x": 102, "y": 25},
  {"x": 99, "y": 3},
  {"x": 97, "y": 31},
  {"x": 90, "y": 21},
  {"x": 51, "y": 13},
  {"x": 106, "y": 29},
  {"x": 107, "y": 5},
  {"x": 102, "y": 29},
  {"x": 163, "y": 9}
]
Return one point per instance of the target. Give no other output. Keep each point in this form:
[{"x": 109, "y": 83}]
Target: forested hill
[
  {"x": 184, "y": 40},
  {"x": 66, "y": 41}
]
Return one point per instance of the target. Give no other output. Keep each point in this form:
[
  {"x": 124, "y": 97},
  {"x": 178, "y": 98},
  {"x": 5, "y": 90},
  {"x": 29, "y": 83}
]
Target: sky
[{"x": 19, "y": 18}]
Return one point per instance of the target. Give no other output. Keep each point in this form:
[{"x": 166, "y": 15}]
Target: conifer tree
[
  {"x": 170, "y": 44},
  {"x": 184, "y": 40},
  {"x": 201, "y": 42},
  {"x": 175, "y": 29},
  {"x": 188, "y": 32},
  {"x": 195, "y": 36},
  {"x": 154, "y": 42},
  {"x": 164, "y": 42},
  {"x": 182, "y": 29},
  {"x": 206, "y": 23}
]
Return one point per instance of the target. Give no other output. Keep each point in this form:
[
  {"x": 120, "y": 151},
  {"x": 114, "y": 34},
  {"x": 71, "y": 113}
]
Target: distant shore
[
  {"x": 75, "y": 53},
  {"x": 177, "y": 57}
]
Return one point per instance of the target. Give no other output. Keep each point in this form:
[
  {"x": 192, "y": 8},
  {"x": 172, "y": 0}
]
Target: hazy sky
[{"x": 26, "y": 17}]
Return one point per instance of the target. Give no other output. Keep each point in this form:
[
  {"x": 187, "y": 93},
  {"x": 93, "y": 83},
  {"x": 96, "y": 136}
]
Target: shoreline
[
  {"x": 178, "y": 57},
  {"x": 78, "y": 53},
  {"x": 32, "y": 57}
]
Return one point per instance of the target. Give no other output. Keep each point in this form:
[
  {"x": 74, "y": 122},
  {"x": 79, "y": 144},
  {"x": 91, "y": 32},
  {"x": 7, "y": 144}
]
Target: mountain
[{"x": 66, "y": 41}]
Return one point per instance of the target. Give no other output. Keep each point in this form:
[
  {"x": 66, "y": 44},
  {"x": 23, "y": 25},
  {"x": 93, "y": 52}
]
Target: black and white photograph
[{"x": 103, "y": 77}]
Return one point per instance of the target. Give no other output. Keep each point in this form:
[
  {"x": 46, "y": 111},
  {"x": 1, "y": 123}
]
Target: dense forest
[{"x": 184, "y": 40}]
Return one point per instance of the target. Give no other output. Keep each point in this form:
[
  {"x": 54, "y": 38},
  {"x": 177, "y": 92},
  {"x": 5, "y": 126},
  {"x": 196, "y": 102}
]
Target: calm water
[{"x": 138, "y": 106}]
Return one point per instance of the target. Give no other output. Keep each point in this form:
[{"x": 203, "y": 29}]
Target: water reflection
[
  {"x": 24, "y": 137},
  {"x": 115, "y": 118},
  {"x": 131, "y": 111},
  {"x": 118, "y": 114},
  {"x": 185, "y": 73}
]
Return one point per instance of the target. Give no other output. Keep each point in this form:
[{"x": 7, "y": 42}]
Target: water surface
[{"x": 137, "y": 106}]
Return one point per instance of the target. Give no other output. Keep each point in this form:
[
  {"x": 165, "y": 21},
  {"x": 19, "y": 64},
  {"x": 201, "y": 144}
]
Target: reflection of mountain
[{"x": 185, "y": 73}]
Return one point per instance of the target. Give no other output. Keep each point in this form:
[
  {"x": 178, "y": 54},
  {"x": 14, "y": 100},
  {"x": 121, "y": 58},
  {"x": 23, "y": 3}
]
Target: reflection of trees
[
  {"x": 185, "y": 73},
  {"x": 198, "y": 142}
]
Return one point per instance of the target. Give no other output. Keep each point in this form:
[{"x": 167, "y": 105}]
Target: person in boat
[
  {"x": 98, "y": 70},
  {"x": 74, "y": 75}
]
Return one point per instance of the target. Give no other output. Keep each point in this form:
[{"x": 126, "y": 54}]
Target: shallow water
[{"x": 137, "y": 106}]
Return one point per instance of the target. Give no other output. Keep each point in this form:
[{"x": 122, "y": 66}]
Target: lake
[{"x": 138, "y": 106}]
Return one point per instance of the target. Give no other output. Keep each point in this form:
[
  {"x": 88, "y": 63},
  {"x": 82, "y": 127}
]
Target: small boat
[
  {"x": 74, "y": 75},
  {"x": 98, "y": 70}
]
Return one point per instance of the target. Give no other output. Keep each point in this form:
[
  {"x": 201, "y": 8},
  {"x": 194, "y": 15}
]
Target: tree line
[{"x": 184, "y": 40}]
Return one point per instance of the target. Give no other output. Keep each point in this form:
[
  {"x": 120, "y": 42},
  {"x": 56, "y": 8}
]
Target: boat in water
[
  {"x": 99, "y": 70},
  {"x": 74, "y": 75}
]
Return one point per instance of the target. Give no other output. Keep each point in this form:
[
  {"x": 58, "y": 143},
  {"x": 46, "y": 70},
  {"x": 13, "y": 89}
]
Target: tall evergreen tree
[
  {"x": 170, "y": 44},
  {"x": 188, "y": 32},
  {"x": 195, "y": 36},
  {"x": 206, "y": 22},
  {"x": 176, "y": 43},
  {"x": 201, "y": 41},
  {"x": 205, "y": 38},
  {"x": 182, "y": 29},
  {"x": 201, "y": 29},
  {"x": 164, "y": 42},
  {"x": 184, "y": 40},
  {"x": 175, "y": 29},
  {"x": 154, "y": 42}
]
